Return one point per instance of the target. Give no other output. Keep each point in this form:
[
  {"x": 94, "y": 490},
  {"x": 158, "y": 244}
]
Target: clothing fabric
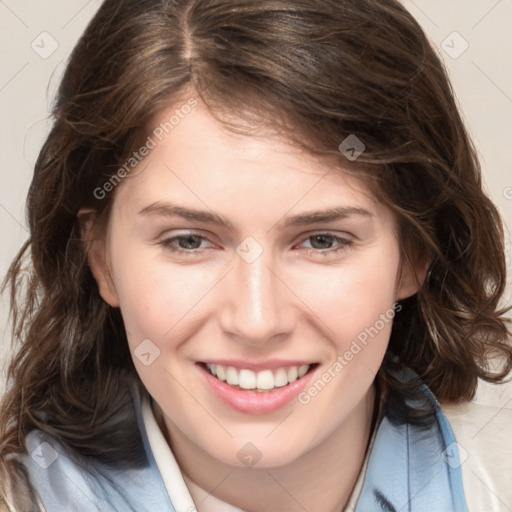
[
  {"x": 484, "y": 438},
  {"x": 413, "y": 465}
]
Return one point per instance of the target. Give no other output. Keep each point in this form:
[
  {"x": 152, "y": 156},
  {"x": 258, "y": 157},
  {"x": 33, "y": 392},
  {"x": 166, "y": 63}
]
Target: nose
[{"x": 256, "y": 305}]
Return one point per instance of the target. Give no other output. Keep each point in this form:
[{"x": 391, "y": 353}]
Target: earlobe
[
  {"x": 97, "y": 257},
  {"x": 410, "y": 278},
  {"x": 100, "y": 268}
]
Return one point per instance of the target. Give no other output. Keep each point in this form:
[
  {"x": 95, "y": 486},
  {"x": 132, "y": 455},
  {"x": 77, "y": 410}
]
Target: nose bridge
[{"x": 253, "y": 306}]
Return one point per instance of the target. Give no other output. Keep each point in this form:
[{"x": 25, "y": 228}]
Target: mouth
[
  {"x": 256, "y": 390},
  {"x": 260, "y": 381}
]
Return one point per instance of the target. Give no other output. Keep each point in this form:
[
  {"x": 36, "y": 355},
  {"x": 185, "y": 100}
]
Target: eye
[
  {"x": 185, "y": 243},
  {"x": 322, "y": 243}
]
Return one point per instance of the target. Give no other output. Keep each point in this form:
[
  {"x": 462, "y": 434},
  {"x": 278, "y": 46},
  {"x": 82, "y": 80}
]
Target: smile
[
  {"x": 261, "y": 389},
  {"x": 265, "y": 380}
]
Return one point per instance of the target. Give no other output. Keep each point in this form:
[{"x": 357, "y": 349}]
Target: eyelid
[
  {"x": 344, "y": 241},
  {"x": 177, "y": 233},
  {"x": 327, "y": 232},
  {"x": 167, "y": 239},
  {"x": 302, "y": 237}
]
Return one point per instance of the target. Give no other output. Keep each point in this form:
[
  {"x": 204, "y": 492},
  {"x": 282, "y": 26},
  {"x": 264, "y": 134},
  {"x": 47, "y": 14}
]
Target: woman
[{"x": 260, "y": 256}]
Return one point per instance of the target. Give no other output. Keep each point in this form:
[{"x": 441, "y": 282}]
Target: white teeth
[
  {"x": 231, "y": 376},
  {"x": 247, "y": 379},
  {"x": 261, "y": 381},
  {"x": 280, "y": 378},
  {"x": 303, "y": 369},
  {"x": 293, "y": 373},
  {"x": 265, "y": 380},
  {"x": 221, "y": 372}
]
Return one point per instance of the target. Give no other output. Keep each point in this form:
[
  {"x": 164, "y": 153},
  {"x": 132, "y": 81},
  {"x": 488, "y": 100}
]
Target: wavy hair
[{"x": 313, "y": 71}]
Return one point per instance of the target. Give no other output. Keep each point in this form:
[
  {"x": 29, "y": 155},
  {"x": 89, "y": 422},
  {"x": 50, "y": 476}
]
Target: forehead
[{"x": 202, "y": 163}]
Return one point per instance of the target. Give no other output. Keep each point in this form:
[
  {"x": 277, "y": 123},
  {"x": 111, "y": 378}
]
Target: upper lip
[{"x": 269, "y": 364}]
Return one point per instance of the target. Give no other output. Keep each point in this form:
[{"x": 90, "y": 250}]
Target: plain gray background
[{"x": 473, "y": 37}]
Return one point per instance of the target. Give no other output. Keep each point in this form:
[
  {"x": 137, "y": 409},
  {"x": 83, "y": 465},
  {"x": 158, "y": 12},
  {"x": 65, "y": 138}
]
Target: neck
[{"x": 321, "y": 479}]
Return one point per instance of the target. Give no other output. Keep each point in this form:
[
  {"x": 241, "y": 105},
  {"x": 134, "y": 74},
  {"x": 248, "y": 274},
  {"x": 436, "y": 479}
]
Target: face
[{"x": 257, "y": 286}]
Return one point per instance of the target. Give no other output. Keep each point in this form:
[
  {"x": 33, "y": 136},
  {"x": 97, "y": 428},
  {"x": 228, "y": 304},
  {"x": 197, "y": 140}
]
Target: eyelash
[{"x": 344, "y": 243}]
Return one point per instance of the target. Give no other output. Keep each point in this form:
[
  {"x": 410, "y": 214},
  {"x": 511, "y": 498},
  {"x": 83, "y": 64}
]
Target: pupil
[
  {"x": 187, "y": 241},
  {"x": 325, "y": 239}
]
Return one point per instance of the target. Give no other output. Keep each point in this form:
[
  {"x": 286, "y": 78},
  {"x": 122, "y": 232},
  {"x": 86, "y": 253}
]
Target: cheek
[
  {"x": 157, "y": 297},
  {"x": 351, "y": 298},
  {"x": 358, "y": 308}
]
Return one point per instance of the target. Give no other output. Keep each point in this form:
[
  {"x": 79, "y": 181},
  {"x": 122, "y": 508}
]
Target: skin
[{"x": 298, "y": 300}]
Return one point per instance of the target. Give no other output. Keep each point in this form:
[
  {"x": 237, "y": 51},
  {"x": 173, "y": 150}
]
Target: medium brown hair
[{"x": 316, "y": 72}]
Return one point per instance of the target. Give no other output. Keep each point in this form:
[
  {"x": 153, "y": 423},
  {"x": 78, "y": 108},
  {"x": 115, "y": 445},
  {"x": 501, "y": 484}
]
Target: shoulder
[
  {"x": 55, "y": 475},
  {"x": 64, "y": 480},
  {"x": 483, "y": 435}
]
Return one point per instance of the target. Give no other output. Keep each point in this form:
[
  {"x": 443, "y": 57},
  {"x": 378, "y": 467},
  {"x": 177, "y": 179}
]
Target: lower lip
[{"x": 255, "y": 402}]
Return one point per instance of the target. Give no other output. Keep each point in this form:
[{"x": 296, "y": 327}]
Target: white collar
[{"x": 169, "y": 470}]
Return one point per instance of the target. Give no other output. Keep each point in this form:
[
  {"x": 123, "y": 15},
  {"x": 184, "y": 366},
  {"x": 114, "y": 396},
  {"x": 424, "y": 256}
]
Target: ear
[
  {"x": 97, "y": 256},
  {"x": 411, "y": 276}
]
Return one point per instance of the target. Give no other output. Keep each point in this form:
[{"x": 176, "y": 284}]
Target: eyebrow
[{"x": 324, "y": 216}]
